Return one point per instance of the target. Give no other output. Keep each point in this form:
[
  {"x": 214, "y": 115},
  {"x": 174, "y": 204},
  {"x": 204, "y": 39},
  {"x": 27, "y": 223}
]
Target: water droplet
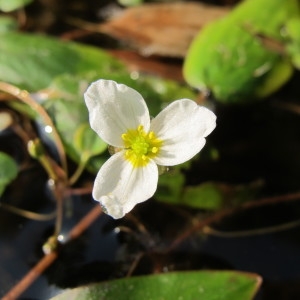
[
  {"x": 48, "y": 129},
  {"x": 61, "y": 238},
  {"x": 134, "y": 75}
]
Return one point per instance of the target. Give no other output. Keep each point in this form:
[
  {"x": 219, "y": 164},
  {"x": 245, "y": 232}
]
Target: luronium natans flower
[{"x": 120, "y": 116}]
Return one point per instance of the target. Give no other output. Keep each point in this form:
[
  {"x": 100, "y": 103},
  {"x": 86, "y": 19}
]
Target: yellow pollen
[
  {"x": 140, "y": 146},
  {"x": 151, "y": 135},
  {"x": 154, "y": 150},
  {"x": 124, "y": 136}
]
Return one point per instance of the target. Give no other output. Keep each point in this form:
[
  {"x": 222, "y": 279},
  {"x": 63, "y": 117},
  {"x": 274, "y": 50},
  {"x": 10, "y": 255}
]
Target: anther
[
  {"x": 154, "y": 149},
  {"x": 124, "y": 137},
  {"x": 140, "y": 128},
  {"x": 151, "y": 135}
]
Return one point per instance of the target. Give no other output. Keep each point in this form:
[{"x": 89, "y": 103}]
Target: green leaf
[
  {"x": 65, "y": 104},
  {"x": 7, "y": 24},
  {"x": 8, "y": 171},
  {"x": 207, "y": 195},
  {"x": 208, "y": 285},
  {"x": 130, "y": 2},
  {"x": 67, "y": 109},
  {"x": 87, "y": 142},
  {"x": 33, "y": 61},
  {"x": 292, "y": 35},
  {"x": 170, "y": 187},
  {"x": 10, "y": 5},
  {"x": 229, "y": 58}
]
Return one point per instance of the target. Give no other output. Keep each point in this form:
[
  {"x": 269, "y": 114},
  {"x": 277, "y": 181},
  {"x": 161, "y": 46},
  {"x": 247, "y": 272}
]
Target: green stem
[
  {"x": 25, "y": 97},
  {"x": 80, "y": 168},
  {"x": 59, "y": 215},
  {"x": 28, "y": 214},
  {"x": 45, "y": 162}
]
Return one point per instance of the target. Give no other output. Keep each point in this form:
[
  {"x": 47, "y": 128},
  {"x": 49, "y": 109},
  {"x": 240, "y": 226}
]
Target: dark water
[{"x": 102, "y": 253}]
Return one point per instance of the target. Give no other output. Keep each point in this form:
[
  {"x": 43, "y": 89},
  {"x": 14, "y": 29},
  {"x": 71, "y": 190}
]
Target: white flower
[{"x": 120, "y": 116}]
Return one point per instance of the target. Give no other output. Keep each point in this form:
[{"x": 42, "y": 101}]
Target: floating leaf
[
  {"x": 229, "y": 58},
  {"x": 208, "y": 285},
  {"x": 8, "y": 171}
]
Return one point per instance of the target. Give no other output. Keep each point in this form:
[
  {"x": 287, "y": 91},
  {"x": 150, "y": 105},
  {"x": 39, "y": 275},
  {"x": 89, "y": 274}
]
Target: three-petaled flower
[{"x": 120, "y": 116}]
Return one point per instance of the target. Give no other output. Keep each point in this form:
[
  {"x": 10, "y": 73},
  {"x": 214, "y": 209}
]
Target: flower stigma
[{"x": 140, "y": 146}]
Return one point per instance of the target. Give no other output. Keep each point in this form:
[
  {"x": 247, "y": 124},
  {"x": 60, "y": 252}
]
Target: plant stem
[
  {"x": 27, "y": 213},
  {"x": 218, "y": 216},
  {"x": 48, "y": 259},
  {"x": 25, "y": 97},
  {"x": 57, "y": 174},
  {"x": 79, "y": 170}
]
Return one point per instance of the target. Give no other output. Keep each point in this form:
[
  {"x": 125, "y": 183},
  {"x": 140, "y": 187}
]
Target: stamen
[
  {"x": 151, "y": 135},
  {"x": 140, "y": 146},
  {"x": 154, "y": 150}
]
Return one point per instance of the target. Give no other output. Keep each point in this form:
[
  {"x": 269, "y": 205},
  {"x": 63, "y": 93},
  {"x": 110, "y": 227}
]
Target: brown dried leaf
[
  {"x": 150, "y": 65},
  {"x": 165, "y": 29}
]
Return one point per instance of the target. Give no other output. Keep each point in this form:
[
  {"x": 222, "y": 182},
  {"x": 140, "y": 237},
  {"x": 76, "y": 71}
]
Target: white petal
[
  {"x": 113, "y": 109},
  {"x": 119, "y": 186},
  {"x": 182, "y": 126}
]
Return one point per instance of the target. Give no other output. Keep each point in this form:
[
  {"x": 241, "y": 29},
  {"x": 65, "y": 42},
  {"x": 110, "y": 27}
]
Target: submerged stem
[
  {"x": 258, "y": 231},
  {"x": 57, "y": 174},
  {"x": 28, "y": 214},
  {"x": 218, "y": 216}
]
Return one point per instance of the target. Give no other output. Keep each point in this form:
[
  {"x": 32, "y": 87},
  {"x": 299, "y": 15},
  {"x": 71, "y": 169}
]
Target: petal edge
[
  {"x": 182, "y": 126},
  {"x": 119, "y": 186},
  {"x": 113, "y": 109}
]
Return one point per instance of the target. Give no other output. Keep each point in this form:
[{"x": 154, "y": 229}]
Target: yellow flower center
[{"x": 140, "y": 146}]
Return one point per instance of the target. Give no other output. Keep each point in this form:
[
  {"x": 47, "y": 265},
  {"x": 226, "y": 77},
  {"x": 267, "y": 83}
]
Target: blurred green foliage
[
  {"x": 8, "y": 171},
  {"x": 247, "y": 54},
  {"x": 10, "y": 5}
]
